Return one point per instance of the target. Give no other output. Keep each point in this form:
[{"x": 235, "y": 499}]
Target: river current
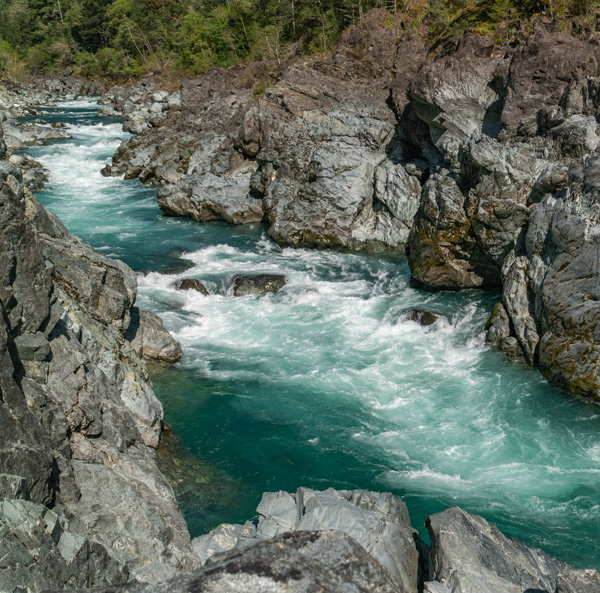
[{"x": 324, "y": 384}]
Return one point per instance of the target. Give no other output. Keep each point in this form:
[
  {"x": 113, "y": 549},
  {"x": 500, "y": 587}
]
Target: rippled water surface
[{"x": 324, "y": 384}]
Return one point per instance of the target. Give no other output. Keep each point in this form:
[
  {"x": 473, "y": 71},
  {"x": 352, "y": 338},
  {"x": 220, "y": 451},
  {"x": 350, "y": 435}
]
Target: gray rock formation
[
  {"x": 301, "y": 562},
  {"x": 34, "y": 174},
  {"x": 149, "y": 338},
  {"x": 468, "y": 555},
  {"x": 258, "y": 284},
  {"x": 578, "y": 581},
  {"x": 316, "y": 155},
  {"x": 379, "y": 522},
  {"x": 482, "y": 160},
  {"x": 295, "y": 549},
  {"x": 23, "y": 135},
  {"x": 512, "y": 196},
  {"x": 82, "y": 502}
]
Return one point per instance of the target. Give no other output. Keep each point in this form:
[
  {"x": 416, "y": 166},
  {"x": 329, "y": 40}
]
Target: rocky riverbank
[
  {"x": 82, "y": 501},
  {"x": 359, "y": 541},
  {"x": 479, "y": 159}
]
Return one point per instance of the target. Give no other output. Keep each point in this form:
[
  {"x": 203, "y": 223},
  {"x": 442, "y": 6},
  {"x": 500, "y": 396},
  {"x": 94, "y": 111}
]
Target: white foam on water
[{"x": 439, "y": 411}]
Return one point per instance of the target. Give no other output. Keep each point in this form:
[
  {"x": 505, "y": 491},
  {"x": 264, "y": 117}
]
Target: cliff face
[
  {"x": 316, "y": 155},
  {"x": 480, "y": 159},
  {"x": 517, "y": 204},
  {"x": 81, "y": 500}
]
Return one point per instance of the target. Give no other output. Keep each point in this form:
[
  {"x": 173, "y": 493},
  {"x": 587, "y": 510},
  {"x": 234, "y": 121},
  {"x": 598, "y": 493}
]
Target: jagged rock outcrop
[
  {"x": 316, "y": 155},
  {"x": 301, "y": 562},
  {"x": 82, "y": 502},
  {"x": 513, "y": 200},
  {"x": 469, "y": 555},
  {"x": 379, "y": 522}
]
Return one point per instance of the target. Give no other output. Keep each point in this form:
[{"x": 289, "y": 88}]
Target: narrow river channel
[{"x": 324, "y": 384}]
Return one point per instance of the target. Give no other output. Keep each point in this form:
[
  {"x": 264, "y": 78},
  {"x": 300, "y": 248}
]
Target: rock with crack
[
  {"x": 301, "y": 562},
  {"x": 468, "y": 555},
  {"x": 379, "y": 522}
]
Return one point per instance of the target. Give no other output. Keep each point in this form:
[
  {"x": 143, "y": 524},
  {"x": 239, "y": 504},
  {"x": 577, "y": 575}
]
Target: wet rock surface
[
  {"x": 192, "y": 284},
  {"x": 258, "y": 284},
  {"x": 424, "y": 318}
]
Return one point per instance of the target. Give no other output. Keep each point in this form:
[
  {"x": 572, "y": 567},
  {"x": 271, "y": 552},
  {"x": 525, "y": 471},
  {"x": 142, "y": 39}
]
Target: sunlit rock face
[{"x": 77, "y": 413}]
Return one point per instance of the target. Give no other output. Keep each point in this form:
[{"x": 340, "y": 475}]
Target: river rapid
[{"x": 324, "y": 384}]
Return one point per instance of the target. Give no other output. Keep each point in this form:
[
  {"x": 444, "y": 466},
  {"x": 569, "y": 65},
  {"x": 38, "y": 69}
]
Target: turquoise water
[{"x": 324, "y": 384}]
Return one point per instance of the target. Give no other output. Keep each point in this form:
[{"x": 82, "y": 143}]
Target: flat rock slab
[{"x": 259, "y": 284}]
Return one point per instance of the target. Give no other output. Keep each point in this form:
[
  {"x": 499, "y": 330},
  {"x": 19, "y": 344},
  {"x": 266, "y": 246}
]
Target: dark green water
[{"x": 323, "y": 384}]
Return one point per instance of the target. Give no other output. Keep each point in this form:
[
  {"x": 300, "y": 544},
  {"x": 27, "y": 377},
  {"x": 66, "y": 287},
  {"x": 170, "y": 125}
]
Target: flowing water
[{"x": 324, "y": 384}]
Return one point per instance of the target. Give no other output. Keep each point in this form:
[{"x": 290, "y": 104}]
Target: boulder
[
  {"x": 192, "y": 284},
  {"x": 379, "y": 522},
  {"x": 259, "y": 284},
  {"x": 149, "y": 338},
  {"x": 424, "y": 318},
  {"x": 301, "y": 562},
  {"x": 469, "y": 555}
]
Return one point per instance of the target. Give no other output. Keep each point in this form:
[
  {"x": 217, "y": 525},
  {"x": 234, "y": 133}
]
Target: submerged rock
[
  {"x": 424, "y": 318},
  {"x": 192, "y": 284},
  {"x": 260, "y": 284}
]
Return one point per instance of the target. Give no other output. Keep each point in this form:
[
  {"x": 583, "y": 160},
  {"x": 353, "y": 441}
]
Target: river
[{"x": 324, "y": 384}]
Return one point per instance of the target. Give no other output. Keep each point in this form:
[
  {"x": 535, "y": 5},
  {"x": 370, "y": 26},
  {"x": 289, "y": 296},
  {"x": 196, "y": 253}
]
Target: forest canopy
[{"x": 131, "y": 37}]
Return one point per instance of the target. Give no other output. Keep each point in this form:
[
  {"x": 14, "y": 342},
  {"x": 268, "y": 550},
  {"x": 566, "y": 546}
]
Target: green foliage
[{"x": 130, "y": 37}]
